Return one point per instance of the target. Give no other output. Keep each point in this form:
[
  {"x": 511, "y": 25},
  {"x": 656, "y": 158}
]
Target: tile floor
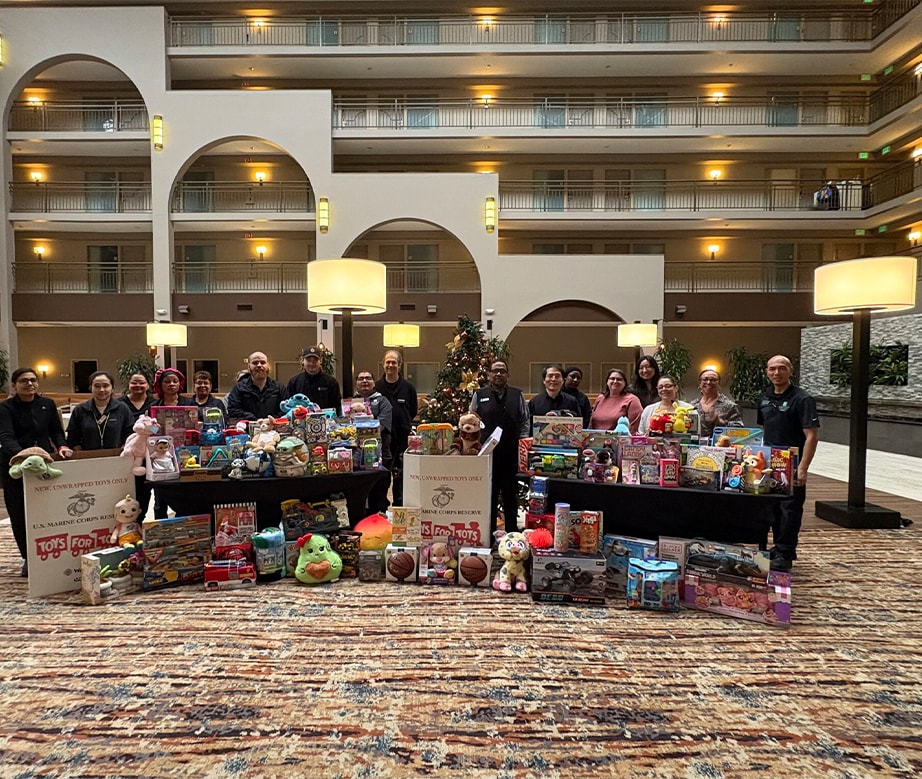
[{"x": 895, "y": 474}]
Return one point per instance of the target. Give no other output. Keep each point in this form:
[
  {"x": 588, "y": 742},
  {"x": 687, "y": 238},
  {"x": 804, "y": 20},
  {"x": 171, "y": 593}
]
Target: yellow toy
[{"x": 680, "y": 425}]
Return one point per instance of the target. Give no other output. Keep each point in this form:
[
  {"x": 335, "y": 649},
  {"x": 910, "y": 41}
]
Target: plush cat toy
[
  {"x": 136, "y": 445},
  {"x": 515, "y": 551}
]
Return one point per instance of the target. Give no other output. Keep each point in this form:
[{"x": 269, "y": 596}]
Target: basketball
[
  {"x": 400, "y": 565},
  {"x": 474, "y": 569}
]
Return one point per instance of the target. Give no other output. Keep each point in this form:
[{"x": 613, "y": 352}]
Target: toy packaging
[
  {"x": 699, "y": 478},
  {"x": 94, "y": 587},
  {"x": 229, "y": 574},
  {"x": 548, "y": 461},
  {"x": 162, "y": 464},
  {"x": 675, "y": 550},
  {"x": 564, "y": 432},
  {"x": 406, "y": 529},
  {"x": 568, "y": 577},
  {"x": 176, "y": 550},
  {"x": 438, "y": 562},
  {"x": 175, "y": 421},
  {"x": 400, "y": 563},
  {"x": 525, "y": 445},
  {"x": 474, "y": 566},
  {"x": 339, "y": 459},
  {"x": 736, "y": 436},
  {"x": 537, "y": 495},
  {"x": 269, "y": 554},
  {"x": 435, "y": 438},
  {"x": 668, "y": 473},
  {"x": 617, "y": 550},
  {"x": 653, "y": 584},
  {"x": 234, "y": 523},
  {"x": 346, "y": 544},
  {"x": 290, "y": 459},
  {"x": 371, "y": 568}
]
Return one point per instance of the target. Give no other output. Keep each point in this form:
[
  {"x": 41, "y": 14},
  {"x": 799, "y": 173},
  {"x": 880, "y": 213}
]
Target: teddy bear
[
  {"x": 515, "y": 551},
  {"x": 265, "y": 438},
  {"x": 127, "y": 532},
  {"x": 467, "y": 441},
  {"x": 136, "y": 445}
]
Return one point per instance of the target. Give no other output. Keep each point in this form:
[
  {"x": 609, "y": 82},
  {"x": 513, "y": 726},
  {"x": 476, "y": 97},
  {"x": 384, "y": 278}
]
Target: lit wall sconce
[
  {"x": 715, "y": 173},
  {"x": 917, "y": 71},
  {"x": 916, "y": 153},
  {"x": 914, "y": 237},
  {"x": 486, "y": 23},
  {"x": 36, "y": 176},
  {"x": 713, "y": 249},
  {"x": 43, "y": 368},
  {"x": 718, "y": 21},
  {"x": 260, "y": 177},
  {"x": 156, "y": 132},
  {"x": 323, "y": 215},
  {"x": 489, "y": 214},
  {"x": 717, "y": 97},
  {"x": 39, "y": 252},
  {"x": 485, "y": 100},
  {"x": 35, "y": 101},
  {"x": 260, "y": 253},
  {"x": 2, "y": 51}
]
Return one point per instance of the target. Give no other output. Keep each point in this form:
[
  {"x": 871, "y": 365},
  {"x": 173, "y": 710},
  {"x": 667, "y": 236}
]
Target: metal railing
[
  {"x": 226, "y": 196},
  {"x": 724, "y": 27},
  {"x": 739, "y": 277},
  {"x": 82, "y": 277},
  {"x": 109, "y": 116},
  {"x": 80, "y": 197}
]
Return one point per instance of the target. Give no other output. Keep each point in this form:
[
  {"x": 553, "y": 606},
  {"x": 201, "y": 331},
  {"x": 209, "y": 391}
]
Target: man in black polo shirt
[
  {"x": 312, "y": 381},
  {"x": 553, "y": 399},
  {"x": 502, "y": 406},
  {"x": 788, "y": 415}
]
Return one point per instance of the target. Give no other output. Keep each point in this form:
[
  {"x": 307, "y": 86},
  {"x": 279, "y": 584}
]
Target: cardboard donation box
[{"x": 453, "y": 494}]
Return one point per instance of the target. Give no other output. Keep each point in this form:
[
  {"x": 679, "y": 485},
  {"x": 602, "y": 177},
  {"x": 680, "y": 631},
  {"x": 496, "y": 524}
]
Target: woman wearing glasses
[
  {"x": 713, "y": 407},
  {"x": 26, "y": 419},
  {"x": 668, "y": 392}
]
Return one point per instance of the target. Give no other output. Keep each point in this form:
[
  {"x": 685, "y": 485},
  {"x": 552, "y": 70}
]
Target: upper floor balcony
[
  {"x": 224, "y": 197},
  {"x": 88, "y": 116},
  {"x": 80, "y": 197}
]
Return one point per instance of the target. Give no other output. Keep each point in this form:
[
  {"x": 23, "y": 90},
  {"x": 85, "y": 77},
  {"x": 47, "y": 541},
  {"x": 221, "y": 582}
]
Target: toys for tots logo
[{"x": 442, "y": 496}]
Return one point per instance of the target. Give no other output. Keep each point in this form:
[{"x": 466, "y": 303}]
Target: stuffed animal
[
  {"x": 515, "y": 551},
  {"x": 265, "y": 438},
  {"x": 296, "y": 402},
  {"x": 468, "y": 439},
  {"x": 317, "y": 562},
  {"x": 136, "y": 445},
  {"x": 33, "y": 460},
  {"x": 680, "y": 425},
  {"x": 661, "y": 421},
  {"x": 236, "y": 468},
  {"x": 623, "y": 427},
  {"x": 441, "y": 563},
  {"x": 127, "y": 532}
]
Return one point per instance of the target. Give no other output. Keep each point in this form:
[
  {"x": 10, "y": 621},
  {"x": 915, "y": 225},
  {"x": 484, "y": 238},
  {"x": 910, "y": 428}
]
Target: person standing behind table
[
  {"x": 646, "y": 380},
  {"x": 405, "y": 405},
  {"x": 138, "y": 398},
  {"x": 713, "y": 407},
  {"x": 381, "y": 409},
  {"x": 256, "y": 395},
  {"x": 788, "y": 416},
  {"x": 169, "y": 383},
  {"x": 312, "y": 381},
  {"x": 203, "y": 397},
  {"x": 616, "y": 402},
  {"x": 668, "y": 391},
  {"x": 102, "y": 422},
  {"x": 26, "y": 419},
  {"x": 504, "y": 407},
  {"x": 553, "y": 398},
  {"x": 573, "y": 376}
]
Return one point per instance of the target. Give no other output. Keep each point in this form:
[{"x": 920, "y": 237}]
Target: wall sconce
[
  {"x": 917, "y": 152},
  {"x": 36, "y": 176},
  {"x": 715, "y": 173},
  {"x": 260, "y": 253},
  {"x": 713, "y": 249},
  {"x": 43, "y": 368},
  {"x": 914, "y": 237},
  {"x": 39, "y": 252},
  {"x": 680, "y": 309},
  {"x": 485, "y": 100},
  {"x": 486, "y": 23},
  {"x": 917, "y": 71},
  {"x": 184, "y": 309},
  {"x": 432, "y": 309},
  {"x": 323, "y": 215},
  {"x": 717, "y": 97},
  {"x": 260, "y": 177},
  {"x": 718, "y": 21},
  {"x": 489, "y": 214},
  {"x": 156, "y": 132},
  {"x": 2, "y": 51}
]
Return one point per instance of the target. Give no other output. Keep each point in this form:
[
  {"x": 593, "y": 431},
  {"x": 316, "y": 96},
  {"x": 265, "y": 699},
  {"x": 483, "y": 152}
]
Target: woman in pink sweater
[{"x": 615, "y": 402}]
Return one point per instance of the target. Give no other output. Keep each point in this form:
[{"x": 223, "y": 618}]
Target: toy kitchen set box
[{"x": 453, "y": 493}]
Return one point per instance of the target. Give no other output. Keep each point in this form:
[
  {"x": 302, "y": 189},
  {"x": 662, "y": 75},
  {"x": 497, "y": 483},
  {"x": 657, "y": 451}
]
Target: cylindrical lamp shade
[
  {"x": 401, "y": 335},
  {"x": 638, "y": 334},
  {"x": 344, "y": 284},
  {"x": 166, "y": 334},
  {"x": 869, "y": 284}
]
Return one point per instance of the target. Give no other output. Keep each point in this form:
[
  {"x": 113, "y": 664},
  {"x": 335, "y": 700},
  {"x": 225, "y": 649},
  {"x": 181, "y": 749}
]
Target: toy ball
[
  {"x": 541, "y": 538},
  {"x": 474, "y": 569},
  {"x": 400, "y": 565},
  {"x": 376, "y": 533}
]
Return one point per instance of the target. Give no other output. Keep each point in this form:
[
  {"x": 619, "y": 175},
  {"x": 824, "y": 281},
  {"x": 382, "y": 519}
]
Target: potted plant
[{"x": 140, "y": 362}]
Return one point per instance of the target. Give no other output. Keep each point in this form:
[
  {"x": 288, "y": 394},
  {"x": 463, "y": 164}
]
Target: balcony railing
[
  {"x": 80, "y": 197},
  {"x": 739, "y": 277},
  {"x": 723, "y": 28},
  {"x": 256, "y": 276},
  {"x": 608, "y": 113},
  {"x": 77, "y": 277},
  {"x": 214, "y": 197},
  {"x": 108, "y": 116}
]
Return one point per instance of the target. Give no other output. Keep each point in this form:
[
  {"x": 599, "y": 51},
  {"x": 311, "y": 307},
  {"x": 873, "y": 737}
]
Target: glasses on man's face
[
  {"x": 709, "y": 380},
  {"x": 364, "y": 378},
  {"x": 498, "y": 370},
  {"x": 27, "y": 381}
]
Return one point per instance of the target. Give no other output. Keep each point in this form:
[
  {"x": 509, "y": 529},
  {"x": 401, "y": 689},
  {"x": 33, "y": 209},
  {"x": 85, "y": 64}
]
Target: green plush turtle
[{"x": 33, "y": 460}]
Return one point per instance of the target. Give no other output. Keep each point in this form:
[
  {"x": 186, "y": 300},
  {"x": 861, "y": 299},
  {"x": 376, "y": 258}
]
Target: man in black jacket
[
  {"x": 317, "y": 385},
  {"x": 553, "y": 399},
  {"x": 404, "y": 403},
  {"x": 256, "y": 395},
  {"x": 500, "y": 405}
]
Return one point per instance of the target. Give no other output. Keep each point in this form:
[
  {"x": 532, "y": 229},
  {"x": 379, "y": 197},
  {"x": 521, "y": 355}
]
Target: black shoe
[
  {"x": 774, "y": 552},
  {"x": 781, "y": 563},
  {"x": 24, "y": 573}
]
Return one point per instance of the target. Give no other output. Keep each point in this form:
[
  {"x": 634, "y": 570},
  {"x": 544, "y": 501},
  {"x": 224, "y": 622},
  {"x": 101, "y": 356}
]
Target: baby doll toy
[
  {"x": 127, "y": 531},
  {"x": 162, "y": 459},
  {"x": 136, "y": 445},
  {"x": 515, "y": 551},
  {"x": 468, "y": 439}
]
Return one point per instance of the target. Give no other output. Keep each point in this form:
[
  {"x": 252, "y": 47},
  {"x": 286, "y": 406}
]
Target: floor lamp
[
  {"x": 166, "y": 335},
  {"x": 638, "y": 335},
  {"x": 348, "y": 287},
  {"x": 401, "y": 336},
  {"x": 860, "y": 288}
]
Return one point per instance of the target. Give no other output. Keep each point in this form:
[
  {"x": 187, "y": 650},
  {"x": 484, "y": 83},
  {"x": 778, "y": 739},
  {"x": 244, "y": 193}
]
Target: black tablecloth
[
  {"x": 191, "y": 497},
  {"x": 649, "y": 511}
]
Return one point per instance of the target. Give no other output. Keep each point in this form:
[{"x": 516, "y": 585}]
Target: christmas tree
[{"x": 470, "y": 354}]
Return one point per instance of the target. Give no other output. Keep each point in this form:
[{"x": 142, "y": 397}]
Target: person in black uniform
[
  {"x": 553, "y": 399},
  {"x": 317, "y": 385},
  {"x": 405, "y": 405},
  {"x": 26, "y": 419},
  {"x": 788, "y": 416},
  {"x": 256, "y": 395},
  {"x": 502, "y": 406},
  {"x": 102, "y": 422},
  {"x": 573, "y": 376}
]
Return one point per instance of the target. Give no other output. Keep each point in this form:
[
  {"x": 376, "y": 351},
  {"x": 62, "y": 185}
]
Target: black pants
[
  {"x": 505, "y": 485},
  {"x": 15, "y": 500},
  {"x": 398, "y": 447},
  {"x": 377, "y": 497},
  {"x": 789, "y": 514}
]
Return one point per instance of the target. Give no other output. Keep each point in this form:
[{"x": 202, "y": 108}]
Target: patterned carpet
[{"x": 385, "y": 680}]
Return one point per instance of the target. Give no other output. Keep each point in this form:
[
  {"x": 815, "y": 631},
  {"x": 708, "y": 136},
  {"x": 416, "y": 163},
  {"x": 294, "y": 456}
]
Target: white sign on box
[
  {"x": 71, "y": 516},
  {"x": 453, "y": 493}
]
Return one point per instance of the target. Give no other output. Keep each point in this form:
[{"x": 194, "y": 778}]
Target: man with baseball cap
[{"x": 313, "y": 382}]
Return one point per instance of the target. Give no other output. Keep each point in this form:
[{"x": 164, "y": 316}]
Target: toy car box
[
  {"x": 548, "y": 461},
  {"x": 617, "y": 550},
  {"x": 567, "y": 577}
]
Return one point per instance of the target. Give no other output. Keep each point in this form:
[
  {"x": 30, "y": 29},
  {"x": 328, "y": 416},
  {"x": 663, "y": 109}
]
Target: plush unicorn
[{"x": 136, "y": 445}]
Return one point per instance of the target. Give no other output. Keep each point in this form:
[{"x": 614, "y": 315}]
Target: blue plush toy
[
  {"x": 623, "y": 427},
  {"x": 297, "y": 401}
]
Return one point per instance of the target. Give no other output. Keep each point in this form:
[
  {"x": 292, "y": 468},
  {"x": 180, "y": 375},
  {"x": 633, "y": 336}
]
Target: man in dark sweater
[
  {"x": 318, "y": 386},
  {"x": 502, "y": 406},
  {"x": 404, "y": 403},
  {"x": 553, "y": 399},
  {"x": 256, "y": 395}
]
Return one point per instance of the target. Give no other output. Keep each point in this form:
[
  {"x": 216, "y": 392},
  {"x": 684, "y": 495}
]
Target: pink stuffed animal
[{"x": 136, "y": 445}]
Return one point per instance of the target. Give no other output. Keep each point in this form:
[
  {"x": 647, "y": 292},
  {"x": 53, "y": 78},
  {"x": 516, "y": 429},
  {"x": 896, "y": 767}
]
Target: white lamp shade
[
  {"x": 871, "y": 284},
  {"x": 166, "y": 334},
  {"x": 638, "y": 334},
  {"x": 401, "y": 335},
  {"x": 342, "y": 284}
]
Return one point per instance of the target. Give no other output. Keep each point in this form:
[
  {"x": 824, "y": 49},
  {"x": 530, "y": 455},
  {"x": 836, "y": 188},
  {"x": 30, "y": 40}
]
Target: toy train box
[
  {"x": 617, "y": 551},
  {"x": 567, "y": 577}
]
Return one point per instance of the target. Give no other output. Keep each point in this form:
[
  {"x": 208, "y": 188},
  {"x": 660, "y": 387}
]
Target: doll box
[
  {"x": 438, "y": 562},
  {"x": 91, "y": 566},
  {"x": 475, "y": 566},
  {"x": 735, "y": 596},
  {"x": 161, "y": 461},
  {"x": 567, "y": 577}
]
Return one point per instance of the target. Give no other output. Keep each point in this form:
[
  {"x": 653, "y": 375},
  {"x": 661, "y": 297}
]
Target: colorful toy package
[{"x": 653, "y": 584}]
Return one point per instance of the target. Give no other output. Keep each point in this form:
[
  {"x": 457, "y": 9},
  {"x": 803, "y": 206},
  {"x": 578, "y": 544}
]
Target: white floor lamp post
[{"x": 860, "y": 288}]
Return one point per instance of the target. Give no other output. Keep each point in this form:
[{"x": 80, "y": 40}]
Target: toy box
[
  {"x": 564, "y": 432},
  {"x": 653, "y": 584},
  {"x": 406, "y": 529},
  {"x": 675, "y": 550},
  {"x": 371, "y": 568},
  {"x": 699, "y": 478},
  {"x": 548, "y": 461},
  {"x": 435, "y": 438},
  {"x": 161, "y": 461},
  {"x": 617, "y": 550},
  {"x": 525, "y": 445},
  {"x": 567, "y": 577},
  {"x": 585, "y": 531},
  {"x": 438, "y": 563},
  {"x": 339, "y": 460},
  {"x": 175, "y": 550},
  {"x": 400, "y": 563},
  {"x": 736, "y": 436},
  {"x": 174, "y": 421},
  {"x": 474, "y": 566},
  {"x": 229, "y": 574},
  {"x": 234, "y": 524},
  {"x": 94, "y": 590},
  {"x": 534, "y": 521}
]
